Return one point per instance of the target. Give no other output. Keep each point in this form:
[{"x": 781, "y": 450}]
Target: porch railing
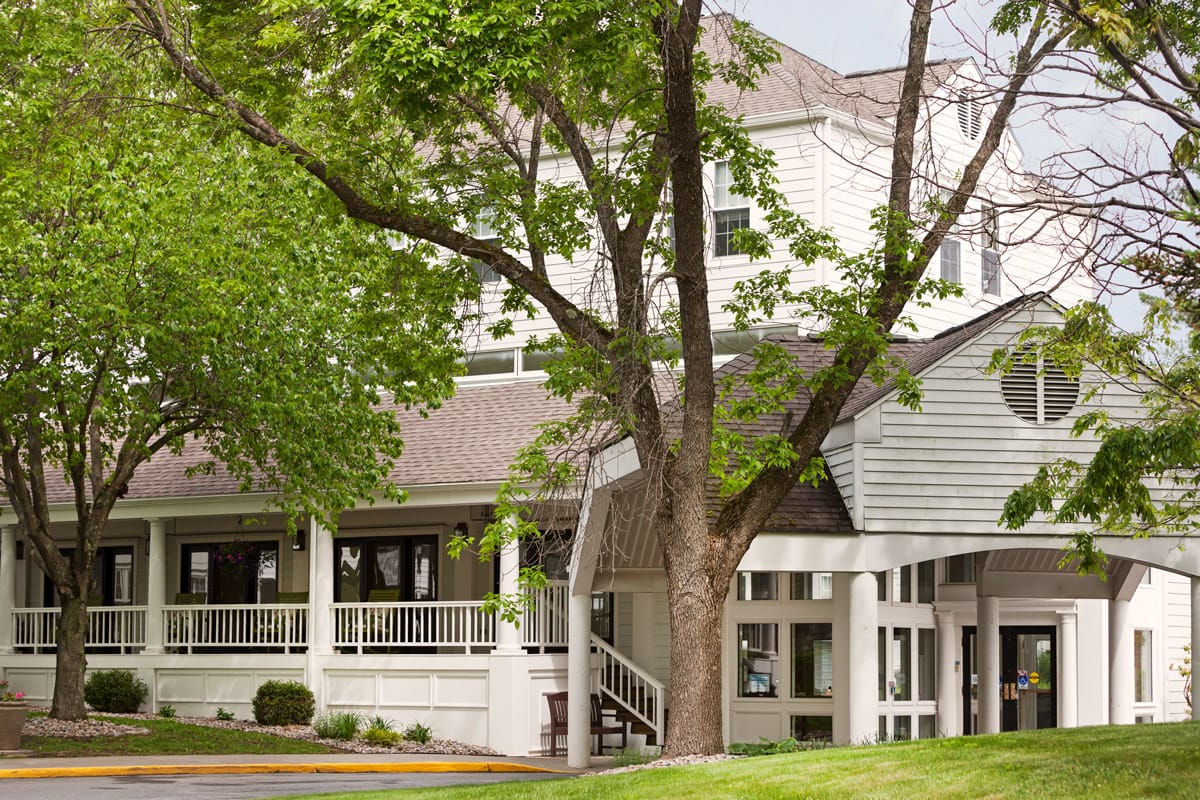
[
  {"x": 188, "y": 628},
  {"x": 638, "y": 691},
  {"x": 356, "y": 627},
  {"x": 109, "y": 627},
  {"x": 359, "y": 627},
  {"x": 545, "y": 624}
]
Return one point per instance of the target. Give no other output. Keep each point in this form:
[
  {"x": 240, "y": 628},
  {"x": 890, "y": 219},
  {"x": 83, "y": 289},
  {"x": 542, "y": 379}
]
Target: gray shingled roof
[
  {"x": 797, "y": 82},
  {"x": 472, "y": 438}
]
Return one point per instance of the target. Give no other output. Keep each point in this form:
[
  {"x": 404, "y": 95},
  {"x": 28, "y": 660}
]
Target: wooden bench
[{"x": 558, "y": 722}]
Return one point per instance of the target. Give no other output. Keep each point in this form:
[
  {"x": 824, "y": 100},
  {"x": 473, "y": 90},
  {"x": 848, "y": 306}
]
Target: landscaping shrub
[
  {"x": 419, "y": 733},
  {"x": 223, "y": 715},
  {"x": 116, "y": 691},
  {"x": 283, "y": 703},
  {"x": 381, "y": 722},
  {"x": 167, "y": 712},
  {"x": 380, "y": 737},
  {"x": 339, "y": 725}
]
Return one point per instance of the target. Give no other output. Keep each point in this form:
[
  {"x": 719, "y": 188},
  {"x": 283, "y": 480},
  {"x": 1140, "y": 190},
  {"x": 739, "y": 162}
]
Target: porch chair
[
  {"x": 558, "y": 722},
  {"x": 292, "y": 598},
  {"x": 187, "y": 633},
  {"x": 380, "y": 623}
]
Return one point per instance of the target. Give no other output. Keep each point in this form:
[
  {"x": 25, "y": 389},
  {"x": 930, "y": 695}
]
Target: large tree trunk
[
  {"x": 697, "y": 599},
  {"x": 70, "y": 661}
]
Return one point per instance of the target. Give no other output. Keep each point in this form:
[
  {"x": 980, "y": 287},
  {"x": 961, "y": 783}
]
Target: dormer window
[{"x": 731, "y": 211}]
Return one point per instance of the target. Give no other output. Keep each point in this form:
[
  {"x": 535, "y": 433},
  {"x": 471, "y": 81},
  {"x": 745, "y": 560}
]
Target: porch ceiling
[{"x": 1035, "y": 573}]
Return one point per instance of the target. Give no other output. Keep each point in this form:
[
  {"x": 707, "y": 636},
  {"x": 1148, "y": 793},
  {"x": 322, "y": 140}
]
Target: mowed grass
[
  {"x": 1160, "y": 761},
  {"x": 168, "y": 737}
]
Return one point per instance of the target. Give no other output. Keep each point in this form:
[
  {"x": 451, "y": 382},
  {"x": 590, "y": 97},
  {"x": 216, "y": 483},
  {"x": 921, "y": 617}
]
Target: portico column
[
  {"x": 8, "y": 586},
  {"x": 579, "y": 680},
  {"x": 1120, "y": 664},
  {"x": 156, "y": 586},
  {"x": 321, "y": 573},
  {"x": 862, "y": 667},
  {"x": 988, "y": 644},
  {"x": 1067, "y": 679},
  {"x": 949, "y": 689},
  {"x": 508, "y": 635},
  {"x": 1195, "y": 641}
]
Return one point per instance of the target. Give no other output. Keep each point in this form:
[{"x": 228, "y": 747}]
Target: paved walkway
[{"x": 22, "y": 767}]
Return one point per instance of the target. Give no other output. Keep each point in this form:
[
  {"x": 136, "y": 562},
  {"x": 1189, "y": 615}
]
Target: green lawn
[
  {"x": 1158, "y": 761},
  {"x": 168, "y": 737}
]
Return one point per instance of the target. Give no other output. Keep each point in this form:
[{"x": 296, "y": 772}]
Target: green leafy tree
[
  {"x": 151, "y": 295},
  {"x": 578, "y": 130}
]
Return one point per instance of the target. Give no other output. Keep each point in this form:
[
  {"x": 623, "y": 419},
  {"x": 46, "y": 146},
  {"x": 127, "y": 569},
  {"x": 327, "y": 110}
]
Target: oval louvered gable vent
[
  {"x": 1039, "y": 392},
  {"x": 970, "y": 116}
]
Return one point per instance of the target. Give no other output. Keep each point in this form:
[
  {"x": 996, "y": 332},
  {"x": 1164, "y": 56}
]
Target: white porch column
[
  {"x": 1120, "y": 664},
  {"x": 1195, "y": 642},
  {"x": 508, "y": 635},
  {"x": 987, "y": 642},
  {"x": 1067, "y": 679},
  {"x": 949, "y": 685},
  {"x": 579, "y": 681},
  {"x": 156, "y": 586},
  {"x": 862, "y": 667},
  {"x": 321, "y": 570},
  {"x": 8, "y": 586}
]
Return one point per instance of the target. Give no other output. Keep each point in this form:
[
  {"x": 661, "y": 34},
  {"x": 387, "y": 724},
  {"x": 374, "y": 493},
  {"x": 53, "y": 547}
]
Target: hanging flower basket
[{"x": 238, "y": 555}]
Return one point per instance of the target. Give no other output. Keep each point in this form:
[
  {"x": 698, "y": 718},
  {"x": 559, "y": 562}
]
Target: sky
[{"x": 853, "y": 35}]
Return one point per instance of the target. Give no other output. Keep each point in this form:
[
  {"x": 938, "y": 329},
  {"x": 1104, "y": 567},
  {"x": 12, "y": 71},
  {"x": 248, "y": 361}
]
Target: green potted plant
[{"x": 12, "y": 717}]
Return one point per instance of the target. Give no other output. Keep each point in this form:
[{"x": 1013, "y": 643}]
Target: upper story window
[
  {"x": 990, "y": 272},
  {"x": 731, "y": 211},
  {"x": 950, "y": 253},
  {"x": 484, "y": 228}
]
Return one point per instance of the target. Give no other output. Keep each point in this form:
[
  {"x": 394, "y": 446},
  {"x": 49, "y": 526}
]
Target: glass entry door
[{"x": 1028, "y": 669}]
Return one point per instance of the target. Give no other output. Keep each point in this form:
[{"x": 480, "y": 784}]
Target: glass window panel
[
  {"x": 901, "y": 663},
  {"x": 758, "y": 659},
  {"x": 883, "y": 735},
  {"x": 534, "y": 360},
  {"x": 424, "y": 571},
  {"x": 757, "y": 586},
  {"x": 882, "y": 579},
  {"x": 1143, "y": 676},
  {"x": 989, "y": 272},
  {"x": 493, "y": 362},
  {"x": 925, "y": 582},
  {"x": 387, "y": 566},
  {"x": 723, "y": 194},
  {"x": 881, "y": 650},
  {"x": 812, "y": 585},
  {"x": 901, "y": 729},
  {"x": 123, "y": 578},
  {"x": 725, "y": 223},
  {"x": 812, "y": 659},
  {"x": 927, "y": 726},
  {"x": 902, "y": 585},
  {"x": 960, "y": 569},
  {"x": 950, "y": 264},
  {"x": 349, "y": 581},
  {"x": 812, "y": 728},
  {"x": 267, "y": 581},
  {"x": 926, "y": 664},
  {"x": 197, "y": 582}
]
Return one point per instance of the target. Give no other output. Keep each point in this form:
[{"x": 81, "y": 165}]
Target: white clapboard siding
[
  {"x": 1178, "y": 614},
  {"x": 840, "y": 465},
  {"x": 950, "y": 468}
]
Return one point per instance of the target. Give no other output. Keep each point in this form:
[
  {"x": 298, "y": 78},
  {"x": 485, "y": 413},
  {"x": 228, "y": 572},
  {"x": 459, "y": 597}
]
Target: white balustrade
[
  {"x": 210, "y": 627},
  {"x": 631, "y": 686},
  {"x": 122, "y": 627},
  {"x": 545, "y": 623},
  {"x": 376, "y": 626}
]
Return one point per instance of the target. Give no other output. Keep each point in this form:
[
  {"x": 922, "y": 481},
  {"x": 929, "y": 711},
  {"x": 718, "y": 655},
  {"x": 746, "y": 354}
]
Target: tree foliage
[{"x": 152, "y": 296}]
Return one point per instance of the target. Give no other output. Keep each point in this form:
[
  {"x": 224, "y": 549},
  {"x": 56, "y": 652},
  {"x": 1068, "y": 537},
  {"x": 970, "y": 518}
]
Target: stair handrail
[{"x": 631, "y": 676}]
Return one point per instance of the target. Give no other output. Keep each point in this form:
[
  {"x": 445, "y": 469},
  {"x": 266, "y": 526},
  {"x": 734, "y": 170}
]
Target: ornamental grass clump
[
  {"x": 341, "y": 725},
  {"x": 283, "y": 703}
]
